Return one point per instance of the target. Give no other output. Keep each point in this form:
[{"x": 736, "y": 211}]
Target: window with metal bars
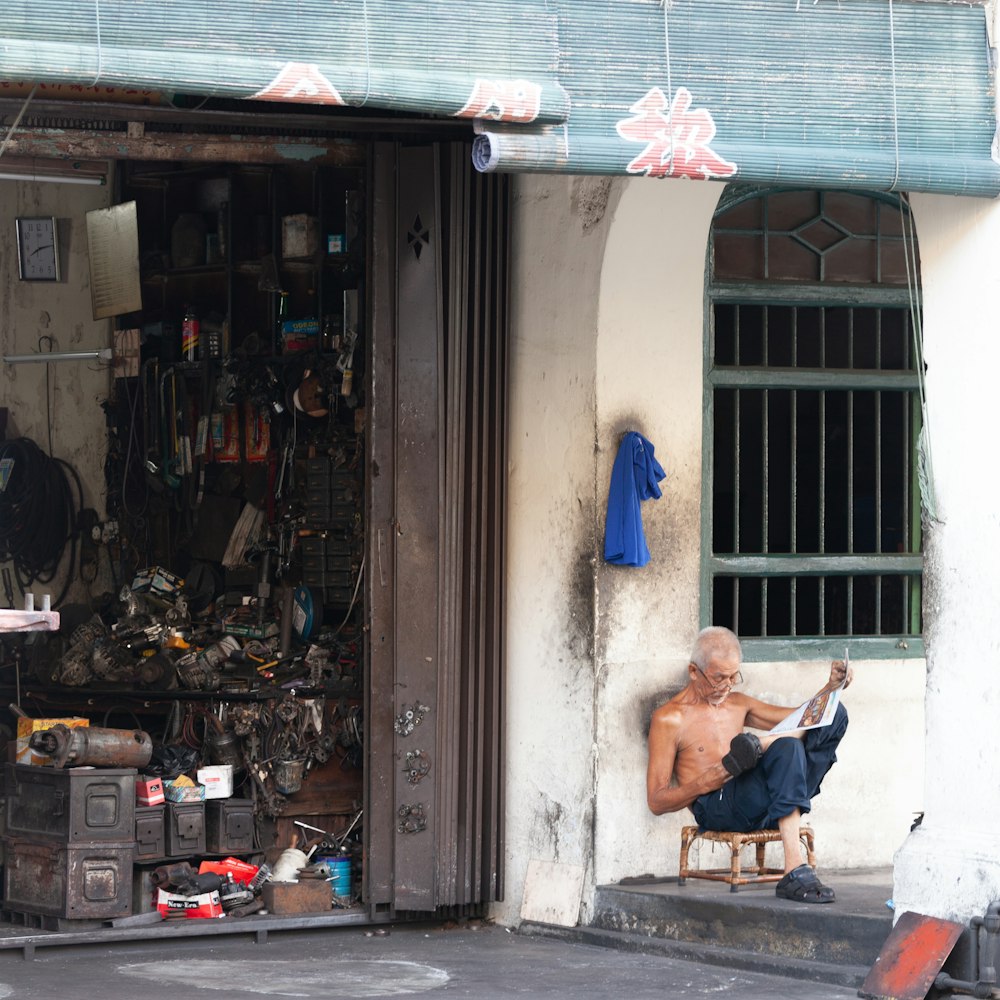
[{"x": 812, "y": 536}]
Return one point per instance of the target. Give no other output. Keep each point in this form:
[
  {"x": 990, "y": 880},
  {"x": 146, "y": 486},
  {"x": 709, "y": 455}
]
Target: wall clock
[{"x": 38, "y": 249}]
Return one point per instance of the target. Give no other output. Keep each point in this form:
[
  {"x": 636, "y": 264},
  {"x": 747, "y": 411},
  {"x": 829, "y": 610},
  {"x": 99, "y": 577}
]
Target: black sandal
[{"x": 803, "y": 886}]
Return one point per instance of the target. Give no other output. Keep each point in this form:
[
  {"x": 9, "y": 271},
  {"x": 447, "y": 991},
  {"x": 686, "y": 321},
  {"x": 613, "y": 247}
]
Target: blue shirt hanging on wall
[{"x": 634, "y": 478}]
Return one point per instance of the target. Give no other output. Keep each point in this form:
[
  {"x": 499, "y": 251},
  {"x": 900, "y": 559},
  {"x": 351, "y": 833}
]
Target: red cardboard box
[
  {"x": 148, "y": 791},
  {"x": 242, "y": 871},
  {"x": 172, "y": 904}
]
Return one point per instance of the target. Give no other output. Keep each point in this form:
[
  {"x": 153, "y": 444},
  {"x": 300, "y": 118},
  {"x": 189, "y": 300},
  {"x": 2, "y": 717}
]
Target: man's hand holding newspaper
[{"x": 818, "y": 710}]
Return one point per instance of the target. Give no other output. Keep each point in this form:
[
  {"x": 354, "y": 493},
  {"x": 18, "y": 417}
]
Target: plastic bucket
[
  {"x": 286, "y": 868},
  {"x": 339, "y": 869}
]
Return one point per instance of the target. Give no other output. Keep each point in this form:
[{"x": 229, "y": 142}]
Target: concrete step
[
  {"x": 835, "y": 942},
  {"x": 800, "y": 970}
]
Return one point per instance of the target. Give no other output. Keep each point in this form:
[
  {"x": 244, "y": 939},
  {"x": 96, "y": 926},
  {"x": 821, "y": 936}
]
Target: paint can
[
  {"x": 338, "y": 868},
  {"x": 224, "y": 747},
  {"x": 288, "y": 775}
]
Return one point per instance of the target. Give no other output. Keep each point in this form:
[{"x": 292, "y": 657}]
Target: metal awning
[{"x": 873, "y": 94}]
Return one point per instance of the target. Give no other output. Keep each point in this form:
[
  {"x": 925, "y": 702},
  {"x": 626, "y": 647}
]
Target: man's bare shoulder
[
  {"x": 681, "y": 713},
  {"x": 674, "y": 716},
  {"x": 668, "y": 716}
]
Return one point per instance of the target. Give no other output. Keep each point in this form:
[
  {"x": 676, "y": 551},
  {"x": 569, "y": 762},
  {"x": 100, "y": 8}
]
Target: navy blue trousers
[{"x": 786, "y": 777}]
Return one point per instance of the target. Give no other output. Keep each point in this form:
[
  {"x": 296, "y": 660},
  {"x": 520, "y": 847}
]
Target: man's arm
[
  {"x": 761, "y": 715},
  {"x": 661, "y": 796}
]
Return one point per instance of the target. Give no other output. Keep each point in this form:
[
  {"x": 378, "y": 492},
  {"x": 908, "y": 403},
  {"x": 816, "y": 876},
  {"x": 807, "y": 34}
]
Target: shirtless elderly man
[{"x": 734, "y": 780}]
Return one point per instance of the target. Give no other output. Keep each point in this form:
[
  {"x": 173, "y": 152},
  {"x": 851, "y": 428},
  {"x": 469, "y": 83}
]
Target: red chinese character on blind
[
  {"x": 302, "y": 83},
  {"x": 503, "y": 101},
  {"x": 677, "y": 138}
]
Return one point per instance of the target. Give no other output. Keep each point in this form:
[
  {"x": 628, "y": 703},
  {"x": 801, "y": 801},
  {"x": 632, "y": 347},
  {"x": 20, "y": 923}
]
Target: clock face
[{"x": 38, "y": 249}]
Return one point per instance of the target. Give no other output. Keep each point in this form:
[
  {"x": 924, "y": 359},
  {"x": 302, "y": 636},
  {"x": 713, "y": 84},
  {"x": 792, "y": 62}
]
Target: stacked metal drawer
[
  {"x": 183, "y": 829},
  {"x": 70, "y": 841},
  {"x": 229, "y": 826},
  {"x": 333, "y": 511},
  {"x": 150, "y": 833}
]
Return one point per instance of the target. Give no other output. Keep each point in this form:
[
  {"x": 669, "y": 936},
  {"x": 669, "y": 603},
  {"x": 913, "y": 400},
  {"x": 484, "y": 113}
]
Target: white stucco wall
[
  {"x": 62, "y": 310},
  {"x": 625, "y": 337},
  {"x": 559, "y": 228},
  {"x": 950, "y": 867}
]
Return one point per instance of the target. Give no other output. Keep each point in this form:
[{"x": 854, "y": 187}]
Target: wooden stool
[{"x": 736, "y": 875}]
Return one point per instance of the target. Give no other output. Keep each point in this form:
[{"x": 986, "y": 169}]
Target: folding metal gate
[{"x": 436, "y": 527}]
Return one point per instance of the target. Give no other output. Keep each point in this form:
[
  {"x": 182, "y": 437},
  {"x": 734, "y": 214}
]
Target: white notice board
[{"x": 113, "y": 241}]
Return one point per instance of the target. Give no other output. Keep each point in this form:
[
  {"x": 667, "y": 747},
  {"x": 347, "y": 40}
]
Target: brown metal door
[{"x": 437, "y": 432}]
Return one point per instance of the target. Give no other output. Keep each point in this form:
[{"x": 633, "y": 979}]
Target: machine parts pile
[
  {"x": 155, "y": 642},
  {"x": 270, "y": 704}
]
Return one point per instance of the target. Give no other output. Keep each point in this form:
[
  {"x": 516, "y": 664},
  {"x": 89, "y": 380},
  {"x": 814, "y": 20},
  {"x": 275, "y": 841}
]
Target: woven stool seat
[{"x": 737, "y": 874}]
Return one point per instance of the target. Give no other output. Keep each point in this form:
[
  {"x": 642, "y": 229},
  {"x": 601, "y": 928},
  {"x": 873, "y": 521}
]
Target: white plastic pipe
[{"x": 104, "y": 354}]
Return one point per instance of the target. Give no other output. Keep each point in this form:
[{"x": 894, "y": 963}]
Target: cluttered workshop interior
[{"x": 189, "y": 743}]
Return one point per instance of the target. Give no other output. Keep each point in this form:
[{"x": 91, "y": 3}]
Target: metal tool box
[
  {"x": 77, "y": 881},
  {"x": 77, "y": 805},
  {"x": 229, "y": 826},
  {"x": 185, "y": 833},
  {"x": 150, "y": 832}
]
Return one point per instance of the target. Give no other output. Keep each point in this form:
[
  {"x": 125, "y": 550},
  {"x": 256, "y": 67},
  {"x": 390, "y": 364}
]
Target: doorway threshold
[{"x": 15, "y": 938}]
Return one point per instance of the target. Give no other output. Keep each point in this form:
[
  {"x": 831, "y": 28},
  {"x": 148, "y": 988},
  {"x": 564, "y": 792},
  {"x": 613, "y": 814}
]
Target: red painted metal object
[{"x": 911, "y": 958}]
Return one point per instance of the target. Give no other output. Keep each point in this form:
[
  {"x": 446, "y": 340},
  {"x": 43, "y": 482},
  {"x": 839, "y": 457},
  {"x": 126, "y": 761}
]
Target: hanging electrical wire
[
  {"x": 38, "y": 514},
  {"x": 354, "y": 597}
]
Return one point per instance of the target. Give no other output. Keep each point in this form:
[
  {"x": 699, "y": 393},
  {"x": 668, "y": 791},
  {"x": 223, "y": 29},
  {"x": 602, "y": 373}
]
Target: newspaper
[{"x": 818, "y": 711}]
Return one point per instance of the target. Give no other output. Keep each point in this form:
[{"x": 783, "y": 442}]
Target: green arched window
[{"x": 812, "y": 536}]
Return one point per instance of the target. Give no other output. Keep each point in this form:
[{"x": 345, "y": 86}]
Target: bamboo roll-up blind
[
  {"x": 874, "y": 94},
  {"x": 855, "y": 93},
  {"x": 475, "y": 58}
]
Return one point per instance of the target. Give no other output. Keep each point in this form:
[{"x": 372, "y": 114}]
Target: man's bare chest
[{"x": 708, "y": 730}]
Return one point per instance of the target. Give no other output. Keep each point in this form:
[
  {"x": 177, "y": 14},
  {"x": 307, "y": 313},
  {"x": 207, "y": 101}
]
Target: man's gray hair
[{"x": 714, "y": 638}]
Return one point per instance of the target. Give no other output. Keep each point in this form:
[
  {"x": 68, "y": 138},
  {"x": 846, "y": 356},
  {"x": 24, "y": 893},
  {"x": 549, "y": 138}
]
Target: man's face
[{"x": 720, "y": 676}]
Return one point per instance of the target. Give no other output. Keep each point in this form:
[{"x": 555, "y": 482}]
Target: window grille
[{"x": 813, "y": 532}]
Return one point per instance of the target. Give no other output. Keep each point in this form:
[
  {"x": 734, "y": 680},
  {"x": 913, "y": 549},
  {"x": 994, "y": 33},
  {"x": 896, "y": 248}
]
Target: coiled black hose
[{"x": 38, "y": 514}]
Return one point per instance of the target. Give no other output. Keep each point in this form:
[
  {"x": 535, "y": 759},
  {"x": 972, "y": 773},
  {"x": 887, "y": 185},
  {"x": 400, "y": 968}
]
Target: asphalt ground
[{"x": 468, "y": 960}]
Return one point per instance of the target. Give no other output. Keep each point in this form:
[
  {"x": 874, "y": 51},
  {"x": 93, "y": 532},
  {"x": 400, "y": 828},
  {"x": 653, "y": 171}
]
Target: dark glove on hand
[{"x": 744, "y": 752}]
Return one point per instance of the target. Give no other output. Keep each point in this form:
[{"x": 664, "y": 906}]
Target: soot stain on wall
[
  {"x": 548, "y": 823},
  {"x": 644, "y": 706},
  {"x": 668, "y": 585},
  {"x": 672, "y": 526},
  {"x": 580, "y": 608},
  {"x": 933, "y": 588},
  {"x": 589, "y": 200}
]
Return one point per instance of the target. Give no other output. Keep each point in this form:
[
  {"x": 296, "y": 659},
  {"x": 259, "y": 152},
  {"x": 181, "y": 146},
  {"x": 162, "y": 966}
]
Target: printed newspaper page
[{"x": 816, "y": 712}]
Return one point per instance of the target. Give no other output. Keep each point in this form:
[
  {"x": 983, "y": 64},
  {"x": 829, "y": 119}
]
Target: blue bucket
[{"x": 339, "y": 869}]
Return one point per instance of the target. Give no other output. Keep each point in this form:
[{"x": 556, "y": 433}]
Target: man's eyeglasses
[{"x": 735, "y": 681}]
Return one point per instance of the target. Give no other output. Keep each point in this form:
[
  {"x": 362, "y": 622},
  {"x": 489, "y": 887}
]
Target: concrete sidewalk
[{"x": 475, "y": 961}]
